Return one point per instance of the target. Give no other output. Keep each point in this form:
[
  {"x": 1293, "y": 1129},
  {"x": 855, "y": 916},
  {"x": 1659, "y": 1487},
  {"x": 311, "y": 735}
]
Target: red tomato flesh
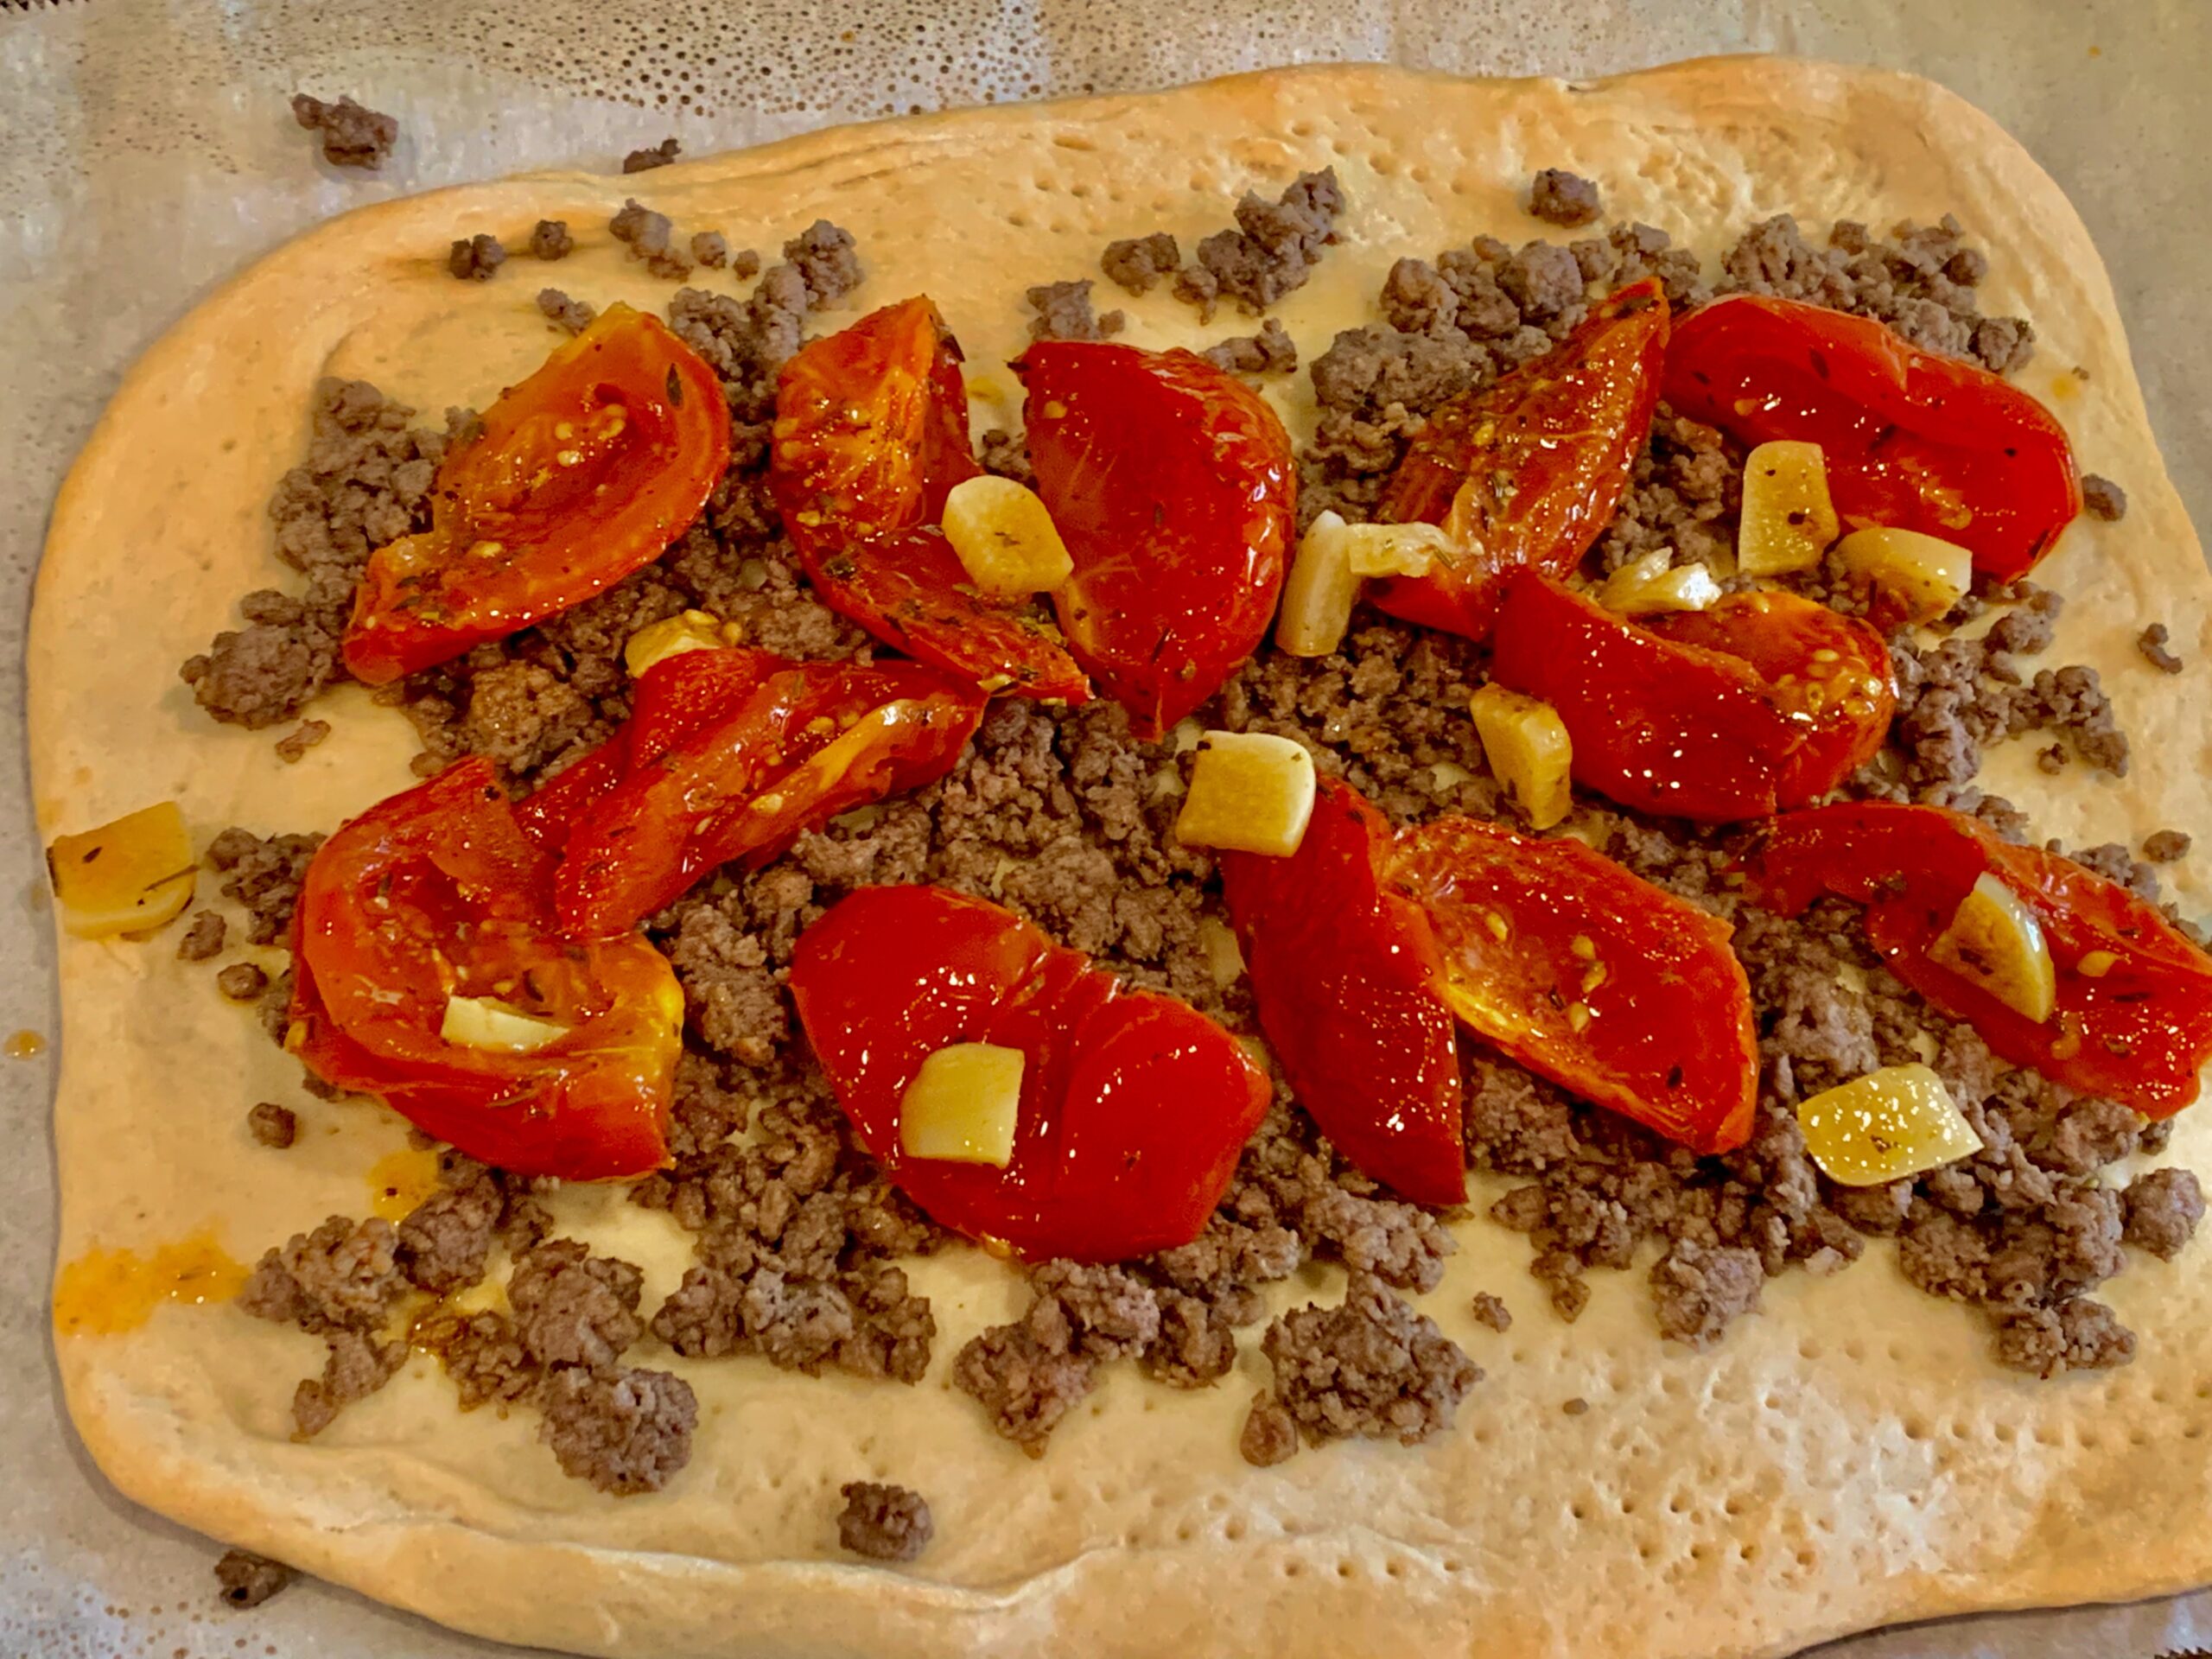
[
  {"x": 585, "y": 472},
  {"x": 1663, "y": 727},
  {"x": 437, "y": 892},
  {"x": 1134, "y": 1107},
  {"x": 1590, "y": 976},
  {"x": 1910, "y": 438},
  {"x": 1526, "y": 472},
  {"x": 1349, "y": 990},
  {"x": 2139, "y": 1032},
  {"x": 730, "y": 755},
  {"x": 1829, "y": 673},
  {"x": 1172, "y": 486},
  {"x": 871, "y": 437}
]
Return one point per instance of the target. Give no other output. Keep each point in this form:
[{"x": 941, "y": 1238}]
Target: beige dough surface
[{"x": 1848, "y": 1457}]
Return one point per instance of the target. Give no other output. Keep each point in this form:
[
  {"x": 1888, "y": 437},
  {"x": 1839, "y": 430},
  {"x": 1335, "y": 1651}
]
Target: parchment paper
[{"x": 146, "y": 153}]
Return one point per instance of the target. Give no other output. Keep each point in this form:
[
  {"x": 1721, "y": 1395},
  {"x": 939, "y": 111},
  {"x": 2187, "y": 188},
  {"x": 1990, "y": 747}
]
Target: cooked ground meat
[
  {"x": 625, "y": 1431},
  {"x": 1062, "y": 311},
  {"x": 263, "y": 876},
  {"x": 358, "y": 1364},
  {"x": 2151, "y": 642},
  {"x": 649, "y": 237},
  {"x": 575, "y": 1308},
  {"x": 292, "y": 749},
  {"x": 550, "y": 239},
  {"x": 2162, "y": 1208},
  {"x": 827, "y": 262},
  {"x": 344, "y": 1275},
  {"x": 882, "y": 1522},
  {"x": 351, "y": 135},
  {"x": 2166, "y": 846},
  {"x": 473, "y": 260},
  {"x": 1700, "y": 1290},
  {"x": 2078, "y": 1335},
  {"x": 247, "y": 1580},
  {"x": 570, "y": 316},
  {"x": 203, "y": 939},
  {"x": 242, "y": 982},
  {"x": 1271, "y": 252},
  {"x": 366, "y": 481},
  {"x": 660, "y": 155},
  {"x": 1006, "y": 455},
  {"x": 1562, "y": 198},
  {"x": 1139, "y": 263},
  {"x": 2103, "y": 498},
  {"x": 1030, "y": 1374},
  {"x": 1370, "y": 1366},
  {"x": 745, "y": 263},
  {"x": 1577, "y": 1406},
  {"x": 272, "y": 1125},
  {"x": 1920, "y": 283},
  {"x": 485, "y": 1356},
  {"x": 444, "y": 1240},
  {"x": 711, "y": 248},
  {"x": 1491, "y": 1311},
  {"x": 1272, "y": 351}
]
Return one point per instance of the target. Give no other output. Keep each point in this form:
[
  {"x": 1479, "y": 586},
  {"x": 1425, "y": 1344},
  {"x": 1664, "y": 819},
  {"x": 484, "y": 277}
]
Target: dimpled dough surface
[{"x": 1849, "y": 1457}]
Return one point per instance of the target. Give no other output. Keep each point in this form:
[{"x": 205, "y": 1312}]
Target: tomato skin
[
  {"x": 1910, "y": 438},
  {"x": 730, "y": 754},
  {"x": 1829, "y": 673},
  {"x": 1526, "y": 472},
  {"x": 1134, "y": 1107},
  {"x": 1911, "y": 866},
  {"x": 1349, "y": 986},
  {"x": 1663, "y": 727},
  {"x": 871, "y": 437},
  {"x": 436, "y": 892},
  {"x": 1172, "y": 486},
  {"x": 651, "y": 440},
  {"x": 1667, "y": 1039}
]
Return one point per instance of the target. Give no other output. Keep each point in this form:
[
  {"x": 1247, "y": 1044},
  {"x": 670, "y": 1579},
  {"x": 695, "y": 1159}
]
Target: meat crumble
[
  {"x": 660, "y": 155},
  {"x": 474, "y": 258},
  {"x": 1064, "y": 816},
  {"x": 351, "y": 134},
  {"x": 246, "y": 1579}
]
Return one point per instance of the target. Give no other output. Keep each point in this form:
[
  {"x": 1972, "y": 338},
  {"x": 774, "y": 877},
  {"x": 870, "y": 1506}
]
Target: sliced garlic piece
[
  {"x": 1526, "y": 743},
  {"x": 1224, "y": 958},
  {"x": 1319, "y": 593},
  {"x": 1005, "y": 536},
  {"x": 1788, "y": 520},
  {"x": 673, "y": 635},
  {"x": 125, "y": 877},
  {"x": 1995, "y": 941},
  {"x": 1897, "y": 1121},
  {"x": 1647, "y": 585},
  {"x": 963, "y": 1104},
  {"x": 1395, "y": 549},
  {"x": 487, "y": 1022},
  {"x": 1929, "y": 573},
  {"x": 1250, "y": 793}
]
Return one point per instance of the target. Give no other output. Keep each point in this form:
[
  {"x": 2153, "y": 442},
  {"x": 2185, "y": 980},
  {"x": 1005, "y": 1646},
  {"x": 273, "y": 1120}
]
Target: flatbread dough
[{"x": 1848, "y": 1457}]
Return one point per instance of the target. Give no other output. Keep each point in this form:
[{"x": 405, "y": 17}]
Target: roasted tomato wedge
[
  {"x": 871, "y": 437},
  {"x": 1589, "y": 976},
  {"x": 1349, "y": 990},
  {"x": 1911, "y": 438},
  {"x": 1527, "y": 471},
  {"x": 1172, "y": 486},
  {"x": 436, "y": 894},
  {"x": 1659, "y": 726},
  {"x": 586, "y": 471},
  {"x": 1134, "y": 1106},
  {"x": 2132, "y": 1018},
  {"x": 1828, "y": 672},
  {"x": 730, "y": 755}
]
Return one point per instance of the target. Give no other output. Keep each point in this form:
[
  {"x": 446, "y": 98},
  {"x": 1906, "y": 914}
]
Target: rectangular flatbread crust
[{"x": 1849, "y": 1457}]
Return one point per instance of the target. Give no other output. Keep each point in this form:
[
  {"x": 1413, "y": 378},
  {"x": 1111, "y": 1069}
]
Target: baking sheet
[{"x": 146, "y": 153}]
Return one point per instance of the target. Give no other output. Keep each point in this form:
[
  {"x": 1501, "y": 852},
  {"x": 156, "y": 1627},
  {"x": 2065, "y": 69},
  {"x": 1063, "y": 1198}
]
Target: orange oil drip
[
  {"x": 400, "y": 1180},
  {"x": 24, "y": 1046},
  {"x": 103, "y": 1292}
]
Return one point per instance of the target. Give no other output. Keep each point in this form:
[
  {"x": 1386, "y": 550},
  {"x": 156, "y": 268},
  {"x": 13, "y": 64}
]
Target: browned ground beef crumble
[
  {"x": 570, "y": 316},
  {"x": 475, "y": 258},
  {"x": 351, "y": 136},
  {"x": 1062, "y": 311},
  {"x": 272, "y": 1125},
  {"x": 246, "y": 1580},
  {"x": 2151, "y": 642},
  {"x": 1272, "y": 351},
  {"x": 203, "y": 939},
  {"x": 884, "y": 1523},
  {"x": 711, "y": 248},
  {"x": 2104, "y": 498},
  {"x": 1061, "y": 814},
  {"x": 550, "y": 239},
  {"x": 660, "y": 155},
  {"x": 1561, "y": 197}
]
